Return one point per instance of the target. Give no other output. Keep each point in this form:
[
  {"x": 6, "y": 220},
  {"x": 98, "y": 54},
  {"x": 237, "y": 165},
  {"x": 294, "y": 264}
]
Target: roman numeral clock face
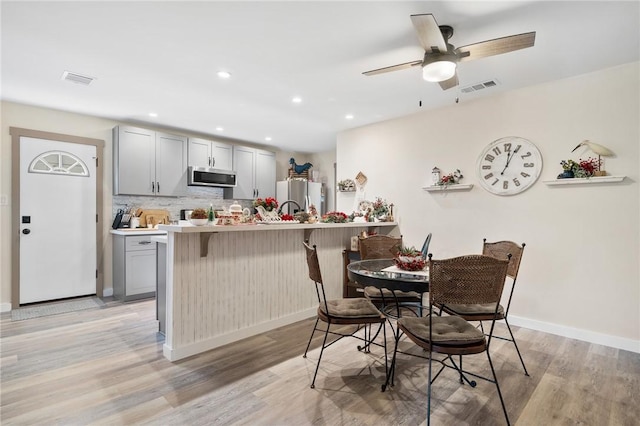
[{"x": 509, "y": 165}]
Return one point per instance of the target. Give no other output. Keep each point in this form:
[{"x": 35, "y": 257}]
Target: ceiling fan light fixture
[{"x": 438, "y": 71}]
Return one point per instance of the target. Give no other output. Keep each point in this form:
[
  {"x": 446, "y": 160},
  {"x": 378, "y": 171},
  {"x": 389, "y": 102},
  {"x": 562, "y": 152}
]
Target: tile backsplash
[{"x": 196, "y": 197}]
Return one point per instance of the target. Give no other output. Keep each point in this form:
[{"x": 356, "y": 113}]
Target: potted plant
[
  {"x": 570, "y": 167},
  {"x": 410, "y": 259}
]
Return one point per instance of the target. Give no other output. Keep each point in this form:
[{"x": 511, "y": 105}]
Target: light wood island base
[{"x": 252, "y": 279}]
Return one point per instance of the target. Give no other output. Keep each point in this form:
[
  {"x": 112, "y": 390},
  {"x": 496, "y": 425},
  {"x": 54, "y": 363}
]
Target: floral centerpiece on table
[
  {"x": 335, "y": 217},
  {"x": 269, "y": 203},
  {"x": 410, "y": 259}
]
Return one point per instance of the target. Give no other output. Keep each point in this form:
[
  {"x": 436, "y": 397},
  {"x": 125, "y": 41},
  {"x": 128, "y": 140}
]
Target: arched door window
[{"x": 59, "y": 163}]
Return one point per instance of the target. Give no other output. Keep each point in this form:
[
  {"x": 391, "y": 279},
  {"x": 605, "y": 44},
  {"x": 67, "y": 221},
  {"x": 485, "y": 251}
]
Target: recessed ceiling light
[
  {"x": 224, "y": 74},
  {"x": 268, "y": 138},
  {"x": 220, "y": 129},
  {"x": 349, "y": 116},
  {"x": 153, "y": 114},
  {"x": 296, "y": 99}
]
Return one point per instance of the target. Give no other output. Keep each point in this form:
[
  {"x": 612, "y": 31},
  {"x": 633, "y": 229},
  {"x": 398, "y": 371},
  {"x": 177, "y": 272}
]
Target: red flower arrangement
[
  {"x": 287, "y": 216},
  {"x": 335, "y": 217},
  {"x": 268, "y": 203}
]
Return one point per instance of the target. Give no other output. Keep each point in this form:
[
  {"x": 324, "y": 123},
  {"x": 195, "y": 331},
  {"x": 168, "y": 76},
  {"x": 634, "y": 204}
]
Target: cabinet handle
[
  {"x": 209, "y": 161},
  {"x": 213, "y": 161},
  {"x": 144, "y": 243},
  {"x": 153, "y": 187},
  {"x": 158, "y": 186}
]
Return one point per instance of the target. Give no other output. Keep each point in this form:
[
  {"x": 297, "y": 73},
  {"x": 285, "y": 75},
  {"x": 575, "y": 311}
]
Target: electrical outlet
[{"x": 4, "y": 200}]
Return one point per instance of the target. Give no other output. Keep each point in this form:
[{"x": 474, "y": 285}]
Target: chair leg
[
  {"x": 324, "y": 342},
  {"x": 513, "y": 339},
  {"x": 429, "y": 391},
  {"x": 311, "y": 338},
  {"x": 495, "y": 378}
]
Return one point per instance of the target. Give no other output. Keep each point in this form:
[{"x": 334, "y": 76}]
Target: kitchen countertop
[
  {"x": 188, "y": 228},
  {"x": 137, "y": 231}
]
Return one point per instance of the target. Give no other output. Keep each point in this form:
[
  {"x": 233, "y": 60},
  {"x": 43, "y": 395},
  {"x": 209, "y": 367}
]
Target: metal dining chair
[
  {"x": 386, "y": 247},
  {"x": 480, "y": 312},
  {"x": 356, "y": 311},
  {"x": 472, "y": 279}
]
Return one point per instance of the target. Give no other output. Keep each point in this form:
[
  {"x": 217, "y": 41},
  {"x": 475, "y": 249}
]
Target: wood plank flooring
[{"x": 105, "y": 367}]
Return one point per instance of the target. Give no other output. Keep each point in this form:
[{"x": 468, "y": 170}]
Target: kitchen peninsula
[{"x": 226, "y": 283}]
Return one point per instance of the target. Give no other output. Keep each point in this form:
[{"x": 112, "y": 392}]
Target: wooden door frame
[{"x": 17, "y": 133}]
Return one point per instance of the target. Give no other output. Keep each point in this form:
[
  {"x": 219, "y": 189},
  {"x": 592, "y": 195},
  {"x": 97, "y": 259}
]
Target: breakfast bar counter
[{"x": 226, "y": 283}]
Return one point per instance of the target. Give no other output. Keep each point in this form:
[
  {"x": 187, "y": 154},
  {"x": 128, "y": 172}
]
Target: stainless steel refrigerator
[{"x": 304, "y": 193}]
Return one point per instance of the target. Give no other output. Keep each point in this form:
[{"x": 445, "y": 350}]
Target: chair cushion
[
  {"x": 477, "y": 309},
  {"x": 356, "y": 307},
  {"x": 446, "y": 330},
  {"x": 374, "y": 293}
]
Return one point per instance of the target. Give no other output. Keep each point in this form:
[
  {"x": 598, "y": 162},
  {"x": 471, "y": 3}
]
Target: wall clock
[{"x": 509, "y": 165}]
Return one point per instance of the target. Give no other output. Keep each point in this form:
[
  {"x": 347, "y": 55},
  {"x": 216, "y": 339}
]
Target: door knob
[{"x": 26, "y": 231}]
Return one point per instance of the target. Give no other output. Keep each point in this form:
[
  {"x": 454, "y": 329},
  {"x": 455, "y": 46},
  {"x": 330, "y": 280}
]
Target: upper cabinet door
[
  {"x": 134, "y": 161},
  {"x": 244, "y": 161},
  {"x": 221, "y": 156},
  {"x": 199, "y": 152},
  {"x": 265, "y": 178},
  {"x": 171, "y": 165}
]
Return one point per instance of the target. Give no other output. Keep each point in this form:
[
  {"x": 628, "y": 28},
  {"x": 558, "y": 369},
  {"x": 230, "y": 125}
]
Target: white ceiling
[{"x": 163, "y": 57}]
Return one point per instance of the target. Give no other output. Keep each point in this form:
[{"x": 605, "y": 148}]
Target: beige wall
[
  {"x": 30, "y": 117},
  {"x": 580, "y": 274}
]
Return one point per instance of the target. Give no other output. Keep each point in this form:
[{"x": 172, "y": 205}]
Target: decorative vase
[{"x": 567, "y": 174}]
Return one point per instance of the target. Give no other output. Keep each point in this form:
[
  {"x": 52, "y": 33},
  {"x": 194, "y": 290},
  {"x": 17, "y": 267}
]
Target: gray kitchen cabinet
[
  {"x": 148, "y": 163},
  {"x": 209, "y": 153},
  {"x": 134, "y": 267},
  {"x": 255, "y": 173}
]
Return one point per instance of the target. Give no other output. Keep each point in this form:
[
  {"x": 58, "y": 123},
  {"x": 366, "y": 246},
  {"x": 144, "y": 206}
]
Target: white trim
[
  {"x": 5, "y": 307},
  {"x": 577, "y": 333},
  {"x": 215, "y": 342}
]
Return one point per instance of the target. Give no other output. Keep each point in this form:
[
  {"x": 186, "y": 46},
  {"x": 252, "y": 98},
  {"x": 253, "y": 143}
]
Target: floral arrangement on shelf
[
  {"x": 346, "y": 185},
  {"x": 451, "y": 178},
  {"x": 269, "y": 203},
  {"x": 287, "y": 216},
  {"x": 580, "y": 169},
  {"x": 335, "y": 217}
]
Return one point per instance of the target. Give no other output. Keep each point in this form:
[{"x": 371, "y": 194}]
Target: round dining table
[{"x": 383, "y": 273}]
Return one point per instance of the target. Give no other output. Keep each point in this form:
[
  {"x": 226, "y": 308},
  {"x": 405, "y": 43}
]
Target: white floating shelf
[
  {"x": 447, "y": 188},
  {"x": 585, "y": 181}
]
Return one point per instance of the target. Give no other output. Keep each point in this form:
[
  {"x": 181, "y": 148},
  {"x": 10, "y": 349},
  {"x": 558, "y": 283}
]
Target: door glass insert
[{"x": 59, "y": 163}]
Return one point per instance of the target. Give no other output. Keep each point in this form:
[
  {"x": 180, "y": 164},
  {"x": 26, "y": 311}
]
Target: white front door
[{"x": 57, "y": 220}]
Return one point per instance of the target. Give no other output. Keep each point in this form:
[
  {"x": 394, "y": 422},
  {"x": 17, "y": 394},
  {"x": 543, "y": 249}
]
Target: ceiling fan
[{"x": 441, "y": 58}]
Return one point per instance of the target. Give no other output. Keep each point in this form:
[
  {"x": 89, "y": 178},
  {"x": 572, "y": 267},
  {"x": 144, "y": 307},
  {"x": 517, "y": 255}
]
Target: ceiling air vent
[
  {"x": 479, "y": 86},
  {"x": 77, "y": 78}
]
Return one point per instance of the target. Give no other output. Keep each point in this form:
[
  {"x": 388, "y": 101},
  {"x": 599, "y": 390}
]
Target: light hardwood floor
[{"x": 105, "y": 366}]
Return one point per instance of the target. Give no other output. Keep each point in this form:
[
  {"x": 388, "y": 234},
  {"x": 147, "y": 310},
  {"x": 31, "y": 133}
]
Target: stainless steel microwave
[{"x": 204, "y": 176}]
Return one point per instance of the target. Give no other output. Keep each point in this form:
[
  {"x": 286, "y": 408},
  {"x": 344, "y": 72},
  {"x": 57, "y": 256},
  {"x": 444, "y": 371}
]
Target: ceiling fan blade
[
  {"x": 448, "y": 84},
  {"x": 429, "y": 33},
  {"x": 393, "y": 68},
  {"x": 496, "y": 46}
]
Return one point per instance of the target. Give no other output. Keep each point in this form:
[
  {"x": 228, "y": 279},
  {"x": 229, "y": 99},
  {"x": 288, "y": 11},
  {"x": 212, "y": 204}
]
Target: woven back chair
[
  {"x": 379, "y": 247},
  {"x": 357, "y": 311},
  {"x": 386, "y": 247},
  {"x": 480, "y": 312},
  {"x": 473, "y": 279}
]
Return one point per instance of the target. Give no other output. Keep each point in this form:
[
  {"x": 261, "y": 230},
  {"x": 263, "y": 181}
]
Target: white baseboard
[
  {"x": 214, "y": 342},
  {"x": 577, "y": 333},
  {"x": 5, "y": 307},
  {"x": 107, "y": 292}
]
